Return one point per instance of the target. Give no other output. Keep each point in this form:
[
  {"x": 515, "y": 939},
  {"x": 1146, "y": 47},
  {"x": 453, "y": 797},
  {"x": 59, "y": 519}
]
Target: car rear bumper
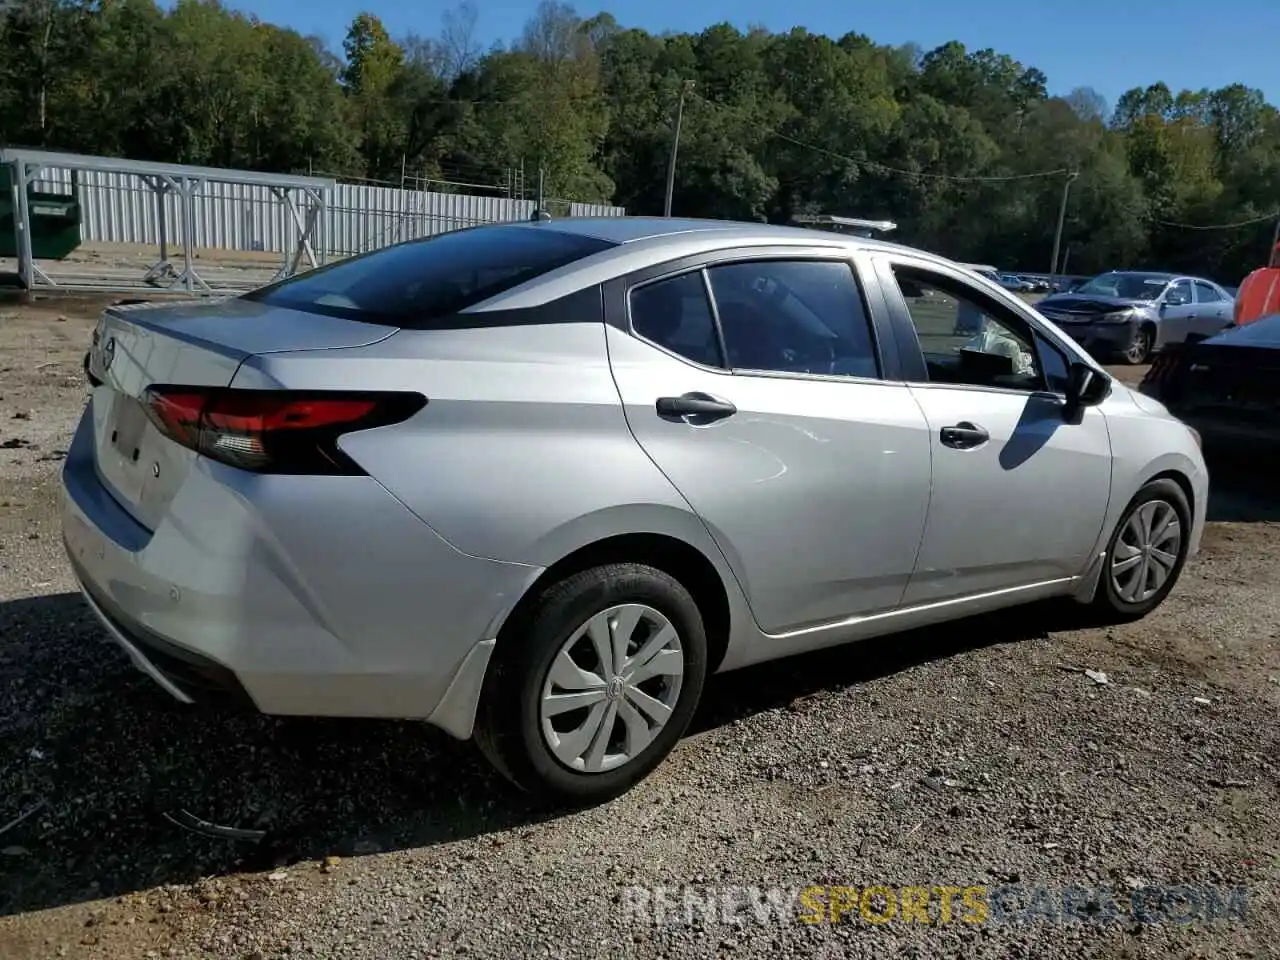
[
  {"x": 319, "y": 596},
  {"x": 183, "y": 674}
]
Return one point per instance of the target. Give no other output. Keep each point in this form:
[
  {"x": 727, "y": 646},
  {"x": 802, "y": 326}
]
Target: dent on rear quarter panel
[{"x": 522, "y": 452}]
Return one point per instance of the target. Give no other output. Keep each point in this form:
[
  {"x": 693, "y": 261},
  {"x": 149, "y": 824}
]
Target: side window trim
[
  {"x": 715, "y": 318},
  {"x": 915, "y": 368},
  {"x": 617, "y": 297},
  {"x": 1040, "y": 337},
  {"x": 630, "y": 326}
]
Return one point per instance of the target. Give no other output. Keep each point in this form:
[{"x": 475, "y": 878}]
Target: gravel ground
[{"x": 975, "y": 755}]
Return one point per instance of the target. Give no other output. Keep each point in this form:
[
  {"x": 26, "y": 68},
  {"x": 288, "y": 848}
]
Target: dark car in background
[
  {"x": 1226, "y": 387},
  {"x": 1132, "y": 314}
]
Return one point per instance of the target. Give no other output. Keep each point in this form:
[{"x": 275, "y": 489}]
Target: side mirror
[{"x": 1086, "y": 387}]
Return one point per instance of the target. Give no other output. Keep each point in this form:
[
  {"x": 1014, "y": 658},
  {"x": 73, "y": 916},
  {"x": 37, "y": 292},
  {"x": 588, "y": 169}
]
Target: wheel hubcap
[
  {"x": 1138, "y": 348},
  {"x": 611, "y": 688},
  {"x": 1146, "y": 551}
]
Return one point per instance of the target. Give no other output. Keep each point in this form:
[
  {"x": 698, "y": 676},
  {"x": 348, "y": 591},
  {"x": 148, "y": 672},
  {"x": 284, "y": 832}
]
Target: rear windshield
[{"x": 419, "y": 283}]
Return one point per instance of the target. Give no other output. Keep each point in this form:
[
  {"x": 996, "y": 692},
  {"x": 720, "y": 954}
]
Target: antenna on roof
[{"x": 859, "y": 228}]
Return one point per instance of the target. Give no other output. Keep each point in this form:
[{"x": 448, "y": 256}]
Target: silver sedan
[{"x": 533, "y": 483}]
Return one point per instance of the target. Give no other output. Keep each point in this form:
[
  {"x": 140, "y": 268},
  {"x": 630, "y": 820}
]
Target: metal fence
[{"x": 121, "y": 208}]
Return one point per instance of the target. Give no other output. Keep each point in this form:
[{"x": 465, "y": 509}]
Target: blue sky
[{"x": 1106, "y": 44}]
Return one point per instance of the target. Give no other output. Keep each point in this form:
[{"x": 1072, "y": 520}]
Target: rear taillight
[{"x": 271, "y": 431}]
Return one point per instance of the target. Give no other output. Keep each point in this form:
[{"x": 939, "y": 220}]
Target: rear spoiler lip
[{"x": 174, "y": 332}]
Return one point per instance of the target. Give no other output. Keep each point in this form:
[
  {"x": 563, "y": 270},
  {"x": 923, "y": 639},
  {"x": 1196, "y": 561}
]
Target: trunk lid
[
  {"x": 191, "y": 344},
  {"x": 1228, "y": 380}
]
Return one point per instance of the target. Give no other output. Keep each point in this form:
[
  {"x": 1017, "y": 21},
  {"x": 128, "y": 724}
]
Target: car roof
[
  {"x": 631, "y": 229},
  {"x": 641, "y": 242},
  {"x": 1154, "y": 274},
  {"x": 1163, "y": 275}
]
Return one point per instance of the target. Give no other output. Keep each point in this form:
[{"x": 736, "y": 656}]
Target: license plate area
[{"x": 127, "y": 427}]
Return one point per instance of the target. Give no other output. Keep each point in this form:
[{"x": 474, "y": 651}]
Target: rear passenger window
[
  {"x": 1206, "y": 293},
  {"x": 676, "y": 315},
  {"x": 794, "y": 316}
]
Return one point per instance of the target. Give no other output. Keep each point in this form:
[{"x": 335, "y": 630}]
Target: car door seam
[
  {"x": 928, "y": 507},
  {"x": 626, "y": 420}
]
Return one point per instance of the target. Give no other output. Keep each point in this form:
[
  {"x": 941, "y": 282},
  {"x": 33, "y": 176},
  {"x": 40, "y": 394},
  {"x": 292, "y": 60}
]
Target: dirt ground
[{"x": 974, "y": 755}]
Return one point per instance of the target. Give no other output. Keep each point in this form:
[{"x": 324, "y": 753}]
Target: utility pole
[
  {"x": 685, "y": 89},
  {"x": 1062, "y": 219}
]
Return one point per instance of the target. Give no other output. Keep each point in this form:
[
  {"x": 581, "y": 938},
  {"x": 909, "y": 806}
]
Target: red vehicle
[{"x": 1259, "y": 294}]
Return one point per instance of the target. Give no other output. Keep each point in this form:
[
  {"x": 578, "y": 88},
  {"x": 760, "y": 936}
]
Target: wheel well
[
  {"x": 675, "y": 557},
  {"x": 1183, "y": 484}
]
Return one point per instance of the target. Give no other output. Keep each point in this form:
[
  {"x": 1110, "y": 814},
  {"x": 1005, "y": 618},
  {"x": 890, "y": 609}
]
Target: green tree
[
  {"x": 965, "y": 148},
  {"x": 372, "y": 70}
]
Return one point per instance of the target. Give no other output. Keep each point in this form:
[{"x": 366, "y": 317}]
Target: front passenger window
[
  {"x": 967, "y": 338},
  {"x": 1179, "y": 294}
]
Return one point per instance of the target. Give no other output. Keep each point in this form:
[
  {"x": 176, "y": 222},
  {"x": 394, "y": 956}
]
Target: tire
[
  {"x": 1139, "y": 350},
  {"x": 511, "y": 722},
  {"x": 1112, "y": 599}
]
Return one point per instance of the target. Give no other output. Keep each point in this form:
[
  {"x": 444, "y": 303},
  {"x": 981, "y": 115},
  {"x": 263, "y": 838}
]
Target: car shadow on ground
[
  {"x": 102, "y": 755},
  {"x": 107, "y": 755}
]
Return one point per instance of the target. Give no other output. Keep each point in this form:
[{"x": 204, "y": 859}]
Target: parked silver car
[
  {"x": 534, "y": 482},
  {"x": 1132, "y": 314},
  {"x": 1013, "y": 282}
]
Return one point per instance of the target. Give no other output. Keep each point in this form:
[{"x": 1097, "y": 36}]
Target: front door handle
[
  {"x": 964, "y": 436},
  {"x": 695, "y": 408}
]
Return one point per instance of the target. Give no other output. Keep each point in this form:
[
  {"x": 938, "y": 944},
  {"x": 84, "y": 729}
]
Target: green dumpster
[{"x": 55, "y": 220}]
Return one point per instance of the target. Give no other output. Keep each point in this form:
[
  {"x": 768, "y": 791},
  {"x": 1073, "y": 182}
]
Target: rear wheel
[
  {"x": 1147, "y": 551},
  {"x": 595, "y": 683}
]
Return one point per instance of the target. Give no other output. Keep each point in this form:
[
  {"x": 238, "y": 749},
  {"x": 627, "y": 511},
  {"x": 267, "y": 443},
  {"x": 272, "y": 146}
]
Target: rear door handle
[
  {"x": 964, "y": 436},
  {"x": 695, "y": 408}
]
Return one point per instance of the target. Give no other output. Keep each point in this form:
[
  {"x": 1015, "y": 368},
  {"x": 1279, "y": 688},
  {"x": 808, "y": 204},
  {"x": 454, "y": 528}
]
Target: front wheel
[
  {"x": 1146, "y": 553},
  {"x": 1139, "y": 349},
  {"x": 595, "y": 683}
]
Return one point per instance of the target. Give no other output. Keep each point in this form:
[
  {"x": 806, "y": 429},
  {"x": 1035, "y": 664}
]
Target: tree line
[{"x": 965, "y": 149}]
